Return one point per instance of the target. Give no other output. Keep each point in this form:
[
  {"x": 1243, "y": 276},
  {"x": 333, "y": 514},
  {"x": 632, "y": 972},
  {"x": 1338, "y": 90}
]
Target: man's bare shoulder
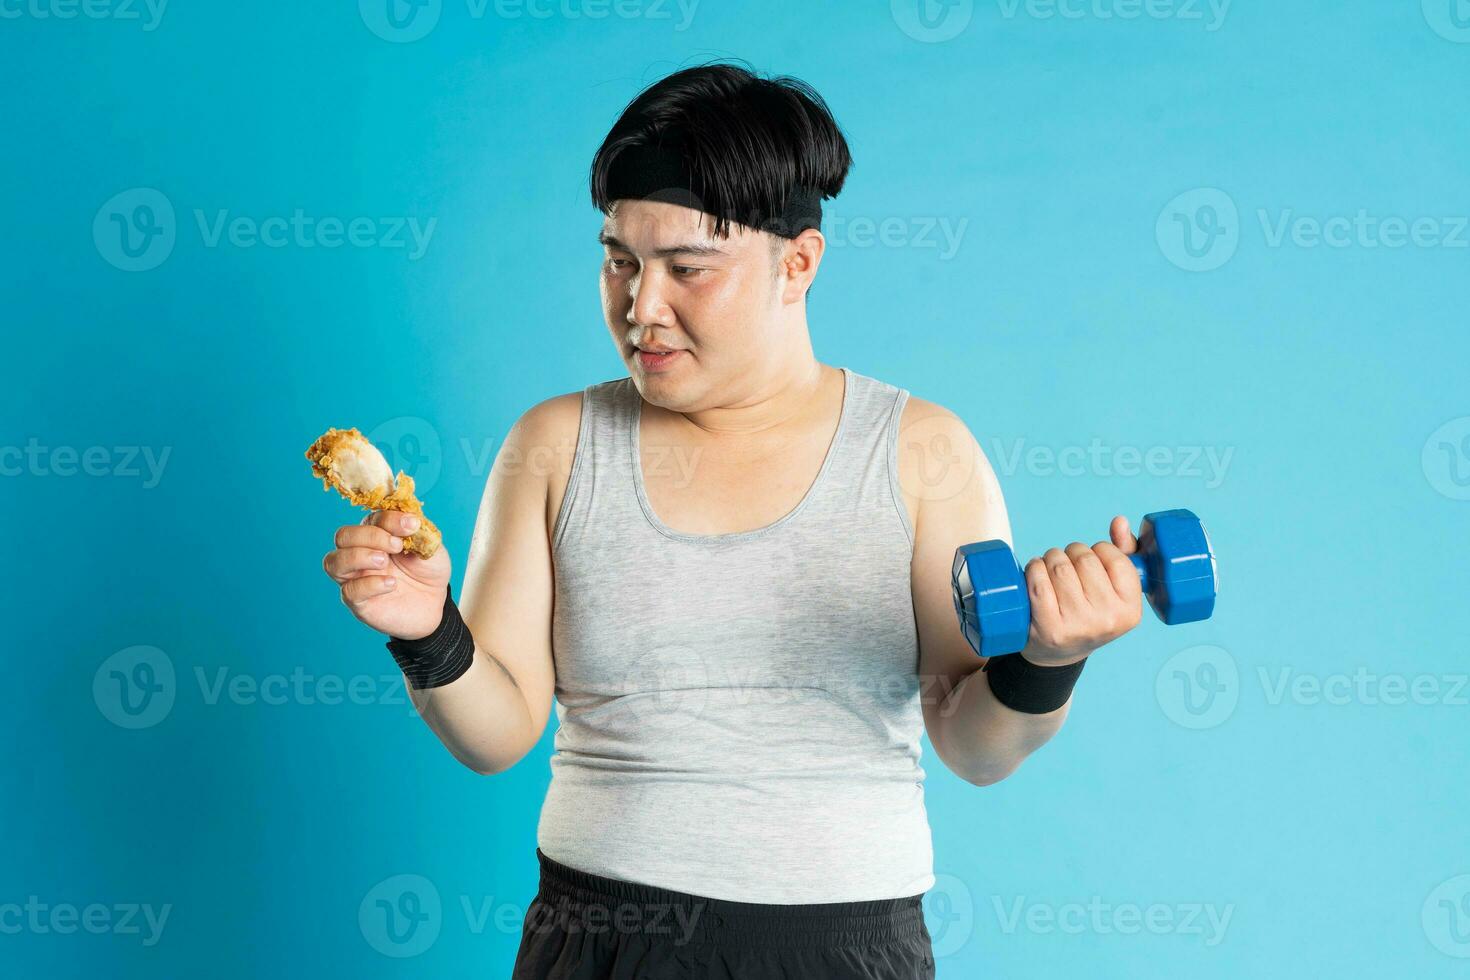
[
  {"x": 554, "y": 416},
  {"x": 940, "y": 462},
  {"x": 931, "y": 439},
  {"x": 544, "y": 438},
  {"x": 917, "y": 409}
]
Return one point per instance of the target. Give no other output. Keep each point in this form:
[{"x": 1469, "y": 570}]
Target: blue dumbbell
[{"x": 1175, "y": 566}]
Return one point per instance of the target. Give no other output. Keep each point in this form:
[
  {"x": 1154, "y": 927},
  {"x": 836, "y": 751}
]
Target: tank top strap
[
  {"x": 600, "y": 486},
  {"x": 864, "y": 468}
]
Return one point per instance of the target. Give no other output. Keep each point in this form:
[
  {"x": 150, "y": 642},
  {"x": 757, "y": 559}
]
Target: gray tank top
[{"x": 739, "y": 713}]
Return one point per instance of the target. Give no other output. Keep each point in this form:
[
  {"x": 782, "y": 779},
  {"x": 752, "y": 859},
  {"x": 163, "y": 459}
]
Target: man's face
[{"x": 668, "y": 282}]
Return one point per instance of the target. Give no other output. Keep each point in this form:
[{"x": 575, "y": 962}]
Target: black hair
[{"x": 751, "y": 144}]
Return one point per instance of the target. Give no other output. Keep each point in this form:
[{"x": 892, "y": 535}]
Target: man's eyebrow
[{"x": 668, "y": 251}]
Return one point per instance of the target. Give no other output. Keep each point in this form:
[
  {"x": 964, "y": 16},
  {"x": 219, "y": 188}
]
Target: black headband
[{"x": 660, "y": 173}]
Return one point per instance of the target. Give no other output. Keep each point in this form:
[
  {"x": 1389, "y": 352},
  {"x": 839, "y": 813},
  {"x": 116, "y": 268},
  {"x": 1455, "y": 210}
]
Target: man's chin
[{"x": 669, "y": 390}]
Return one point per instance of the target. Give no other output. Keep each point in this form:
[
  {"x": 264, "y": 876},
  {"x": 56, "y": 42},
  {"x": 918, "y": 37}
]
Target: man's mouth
[{"x": 656, "y": 358}]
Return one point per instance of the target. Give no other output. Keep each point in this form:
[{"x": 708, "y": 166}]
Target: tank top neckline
[{"x": 636, "y": 417}]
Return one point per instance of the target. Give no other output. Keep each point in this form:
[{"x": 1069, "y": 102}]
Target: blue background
[{"x": 1332, "y": 833}]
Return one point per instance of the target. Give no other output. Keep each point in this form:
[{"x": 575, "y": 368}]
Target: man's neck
[{"x": 787, "y": 402}]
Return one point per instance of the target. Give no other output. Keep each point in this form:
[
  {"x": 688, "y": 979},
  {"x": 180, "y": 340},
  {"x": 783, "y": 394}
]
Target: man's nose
[{"x": 650, "y": 304}]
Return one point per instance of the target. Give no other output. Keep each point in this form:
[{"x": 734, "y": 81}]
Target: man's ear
[{"x": 798, "y": 259}]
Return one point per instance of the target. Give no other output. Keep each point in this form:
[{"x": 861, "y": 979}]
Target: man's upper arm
[
  {"x": 508, "y": 586},
  {"x": 954, "y": 498}
]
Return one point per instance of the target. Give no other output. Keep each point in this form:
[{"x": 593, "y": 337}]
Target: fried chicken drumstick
[{"x": 354, "y": 467}]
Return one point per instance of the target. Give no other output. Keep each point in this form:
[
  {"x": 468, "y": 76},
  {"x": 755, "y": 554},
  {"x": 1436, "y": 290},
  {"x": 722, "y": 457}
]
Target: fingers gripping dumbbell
[{"x": 1175, "y": 566}]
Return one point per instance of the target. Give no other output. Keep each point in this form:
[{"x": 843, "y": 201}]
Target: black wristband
[
  {"x": 1021, "y": 685},
  {"x": 441, "y": 657}
]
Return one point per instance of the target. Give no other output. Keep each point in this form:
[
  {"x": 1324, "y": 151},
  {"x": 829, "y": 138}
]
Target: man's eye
[{"x": 682, "y": 271}]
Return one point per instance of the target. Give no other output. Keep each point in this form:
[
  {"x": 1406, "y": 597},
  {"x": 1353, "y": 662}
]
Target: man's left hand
[{"x": 1082, "y": 598}]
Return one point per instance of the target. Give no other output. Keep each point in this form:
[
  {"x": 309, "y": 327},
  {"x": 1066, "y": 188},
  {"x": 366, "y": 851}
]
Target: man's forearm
[
  {"x": 983, "y": 741},
  {"x": 481, "y": 717}
]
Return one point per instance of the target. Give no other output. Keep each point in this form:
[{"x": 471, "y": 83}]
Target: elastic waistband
[{"x": 573, "y": 899}]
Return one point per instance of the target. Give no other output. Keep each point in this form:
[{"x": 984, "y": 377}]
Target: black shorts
[{"x": 586, "y": 927}]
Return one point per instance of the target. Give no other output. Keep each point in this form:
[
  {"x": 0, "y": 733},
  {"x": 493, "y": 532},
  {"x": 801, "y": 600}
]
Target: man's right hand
[{"x": 399, "y": 594}]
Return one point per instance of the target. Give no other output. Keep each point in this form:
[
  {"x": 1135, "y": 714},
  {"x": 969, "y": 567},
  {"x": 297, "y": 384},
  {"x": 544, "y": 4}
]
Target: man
[{"x": 735, "y": 583}]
